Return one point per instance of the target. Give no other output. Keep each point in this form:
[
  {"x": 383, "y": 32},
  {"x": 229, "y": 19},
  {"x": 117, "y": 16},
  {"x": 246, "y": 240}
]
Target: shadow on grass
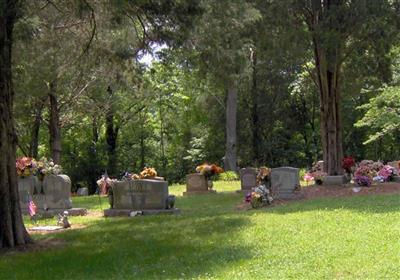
[{"x": 140, "y": 248}]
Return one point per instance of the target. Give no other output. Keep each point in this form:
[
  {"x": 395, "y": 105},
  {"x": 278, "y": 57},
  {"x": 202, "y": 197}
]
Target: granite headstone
[
  {"x": 197, "y": 183},
  {"x": 284, "y": 181},
  {"x": 140, "y": 194},
  {"x": 248, "y": 178}
]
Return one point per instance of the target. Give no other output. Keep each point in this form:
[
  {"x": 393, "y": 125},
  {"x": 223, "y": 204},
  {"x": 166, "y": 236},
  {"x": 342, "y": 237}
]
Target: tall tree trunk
[
  {"x": 93, "y": 157},
  {"x": 327, "y": 55},
  {"x": 34, "y": 143},
  {"x": 54, "y": 124},
  {"x": 162, "y": 140},
  {"x": 142, "y": 145},
  {"x": 254, "y": 113},
  {"x": 12, "y": 229},
  {"x": 111, "y": 135},
  {"x": 231, "y": 110},
  {"x": 328, "y": 70}
]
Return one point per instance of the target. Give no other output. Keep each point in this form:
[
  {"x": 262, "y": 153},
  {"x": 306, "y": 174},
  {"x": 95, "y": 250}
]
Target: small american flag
[{"x": 31, "y": 208}]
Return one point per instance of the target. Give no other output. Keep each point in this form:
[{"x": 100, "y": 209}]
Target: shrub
[{"x": 228, "y": 176}]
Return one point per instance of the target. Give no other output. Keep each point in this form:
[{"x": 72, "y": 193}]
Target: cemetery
[{"x": 199, "y": 139}]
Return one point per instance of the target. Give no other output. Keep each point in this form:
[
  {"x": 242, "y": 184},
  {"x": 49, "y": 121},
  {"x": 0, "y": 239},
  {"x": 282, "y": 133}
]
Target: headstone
[
  {"x": 51, "y": 196},
  {"x": 82, "y": 192},
  {"x": 248, "y": 178},
  {"x": 140, "y": 194},
  {"x": 26, "y": 190},
  {"x": 56, "y": 193},
  {"x": 284, "y": 181},
  {"x": 196, "y": 183},
  {"x": 147, "y": 196}
]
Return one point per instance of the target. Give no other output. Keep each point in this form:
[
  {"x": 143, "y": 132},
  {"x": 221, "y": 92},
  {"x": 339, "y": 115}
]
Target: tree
[
  {"x": 12, "y": 229},
  {"x": 223, "y": 43},
  {"x": 338, "y": 31}
]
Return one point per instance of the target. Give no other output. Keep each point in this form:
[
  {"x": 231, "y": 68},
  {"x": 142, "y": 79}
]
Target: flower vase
[{"x": 318, "y": 181}]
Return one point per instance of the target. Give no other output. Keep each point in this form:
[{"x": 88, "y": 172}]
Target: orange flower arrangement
[
  {"x": 209, "y": 170},
  {"x": 148, "y": 172}
]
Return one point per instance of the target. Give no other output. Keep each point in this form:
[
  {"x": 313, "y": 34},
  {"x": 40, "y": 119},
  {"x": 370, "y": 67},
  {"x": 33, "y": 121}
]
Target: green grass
[{"x": 346, "y": 238}]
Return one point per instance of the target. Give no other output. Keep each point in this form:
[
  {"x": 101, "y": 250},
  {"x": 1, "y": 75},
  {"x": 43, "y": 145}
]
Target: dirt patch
[
  {"x": 349, "y": 190},
  {"x": 73, "y": 226}
]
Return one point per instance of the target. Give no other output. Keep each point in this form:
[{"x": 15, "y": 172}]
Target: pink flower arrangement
[
  {"x": 308, "y": 177},
  {"x": 25, "y": 166},
  {"x": 386, "y": 173}
]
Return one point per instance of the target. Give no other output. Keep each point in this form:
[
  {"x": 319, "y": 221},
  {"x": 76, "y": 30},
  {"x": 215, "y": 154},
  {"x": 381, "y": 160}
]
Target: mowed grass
[{"x": 343, "y": 238}]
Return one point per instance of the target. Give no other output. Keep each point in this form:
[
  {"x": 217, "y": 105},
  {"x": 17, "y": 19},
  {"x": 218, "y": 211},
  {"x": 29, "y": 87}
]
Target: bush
[{"x": 228, "y": 176}]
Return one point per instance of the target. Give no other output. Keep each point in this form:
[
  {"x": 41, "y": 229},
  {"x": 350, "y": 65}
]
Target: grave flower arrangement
[
  {"x": 209, "y": 171},
  {"x": 147, "y": 173},
  {"x": 26, "y": 166},
  {"x": 263, "y": 175},
  {"x": 47, "y": 167},
  {"x": 318, "y": 176},
  {"x": 385, "y": 174},
  {"x": 308, "y": 177},
  {"x": 348, "y": 163},
  {"x": 261, "y": 195},
  {"x": 363, "y": 175},
  {"x": 317, "y": 172}
]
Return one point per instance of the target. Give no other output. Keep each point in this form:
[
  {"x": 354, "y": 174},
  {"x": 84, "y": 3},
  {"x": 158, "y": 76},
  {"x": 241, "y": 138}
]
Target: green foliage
[
  {"x": 228, "y": 176},
  {"x": 382, "y": 114}
]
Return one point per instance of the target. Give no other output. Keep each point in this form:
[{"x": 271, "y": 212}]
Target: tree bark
[
  {"x": 328, "y": 66},
  {"x": 12, "y": 229},
  {"x": 254, "y": 113},
  {"x": 54, "y": 124},
  {"x": 230, "y": 159},
  {"x": 111, "y": 135},
  {"x": 34, "y": 143},
  {"x": 142, "y": 145},
  {"x": 94, "y": 166}
]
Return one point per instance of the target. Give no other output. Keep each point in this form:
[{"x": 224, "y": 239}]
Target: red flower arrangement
[{"x": 348, "y": 163}]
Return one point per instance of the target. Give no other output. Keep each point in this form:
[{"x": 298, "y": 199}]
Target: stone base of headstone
[
  {"x": 199, "y": 192},
  {"x": 335, "y": 180},
  {"x": 396, "y": 179},
  {"x": 128, "y": 212},
  {"x": 54, "y": 212}
]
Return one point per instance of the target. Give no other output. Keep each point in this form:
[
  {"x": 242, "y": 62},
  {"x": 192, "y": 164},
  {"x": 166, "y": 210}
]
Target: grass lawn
[{"x": 332, "y": 238}]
